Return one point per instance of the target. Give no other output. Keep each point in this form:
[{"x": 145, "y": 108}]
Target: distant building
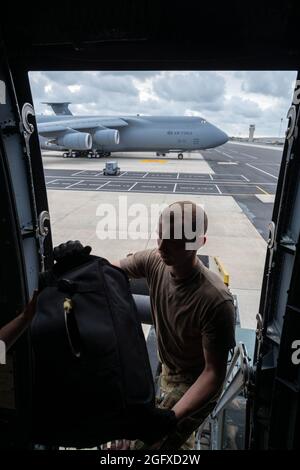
[{"x": 251, "y": 132}]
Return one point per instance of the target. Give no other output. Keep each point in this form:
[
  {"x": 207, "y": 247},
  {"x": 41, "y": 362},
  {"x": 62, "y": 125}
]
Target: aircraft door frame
[
  {"x": 274, "y": 405},
  {"x": 25, "y": 231}
]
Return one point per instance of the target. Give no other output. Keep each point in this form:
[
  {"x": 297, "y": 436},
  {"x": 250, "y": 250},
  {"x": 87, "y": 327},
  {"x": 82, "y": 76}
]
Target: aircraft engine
[
  {"x": 106, "y": 137},
  {"x": 76, "y": 141}
]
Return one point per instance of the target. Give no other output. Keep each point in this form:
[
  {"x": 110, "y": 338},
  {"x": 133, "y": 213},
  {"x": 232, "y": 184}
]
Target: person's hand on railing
[
  {"x": 118, "y": 444},
  {"x": 157, "y": 423}
]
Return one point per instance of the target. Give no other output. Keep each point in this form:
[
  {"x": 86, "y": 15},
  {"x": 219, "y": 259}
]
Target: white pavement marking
[
  {"x": 263, "y": 171},
  {"x": 224, "y": 153},
  {"x": 158, "y": 179},
  {"x": 101, "y": 186},
  {"x": 245, "y": 178},
  {"x": 271, "y": 164},
  {"x": 227, "y": 155},
  {"x": 49, "y": 182},
  {"x": 74, "y": 184},
  {"x": 211, "y": 177},
  {"x": 78, "y": 172},
  {"x": 262, "y": 190},
  {"x": 239, "y": 183},
  {"x": 175, "y": 186},
  {"x": 226, "y": 174},
  {"x": 247, "y": 155},
  {"x": 266, "y": 198},
  {"x": 86, "y": 177},
  {"x": 132, "y": 186},
  {"x": 220, "y": 192},
  {"x": 144, "y": 176}
]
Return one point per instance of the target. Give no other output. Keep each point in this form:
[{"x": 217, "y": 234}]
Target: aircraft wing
[{"x": 53, "y": 128}]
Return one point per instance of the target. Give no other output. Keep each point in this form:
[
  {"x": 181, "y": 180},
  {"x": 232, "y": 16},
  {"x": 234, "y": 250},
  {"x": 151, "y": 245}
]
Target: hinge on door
[
  {"x": 259, "y": 332},
  {"x": 25, "y": 126},
  {"x": 42, "y": 232},
  {"x": 259, "y": 327},
  {"x": 292, "y": 119},
  {"x": 271, "y": 239}
]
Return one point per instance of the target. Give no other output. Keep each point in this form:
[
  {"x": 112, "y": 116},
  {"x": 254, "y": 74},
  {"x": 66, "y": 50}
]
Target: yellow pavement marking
[
  {"x": 153, "y": 161},
  {"x": 262, "y": 190},
  {"x": 222, "y": 270}
]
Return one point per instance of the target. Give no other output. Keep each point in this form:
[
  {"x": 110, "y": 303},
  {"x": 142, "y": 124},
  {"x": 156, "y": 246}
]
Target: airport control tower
[{"x": 251, "y": 132}]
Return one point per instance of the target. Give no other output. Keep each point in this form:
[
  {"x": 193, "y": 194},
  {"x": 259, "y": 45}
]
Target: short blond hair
[{"x": 183, "y": 220}]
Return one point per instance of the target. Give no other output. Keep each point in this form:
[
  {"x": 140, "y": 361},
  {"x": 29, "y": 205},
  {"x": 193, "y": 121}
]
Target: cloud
[
  {"x": 204, "y": 89},
  {"x": 278, "y": 84},
  {"x": 230, "y": 100},
  {"x": 244, "y": 107}
]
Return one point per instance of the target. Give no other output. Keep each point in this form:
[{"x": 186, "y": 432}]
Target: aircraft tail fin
[{"x": 60, "y": 109}]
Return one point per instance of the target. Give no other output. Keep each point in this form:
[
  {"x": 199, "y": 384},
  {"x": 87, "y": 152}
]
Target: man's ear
[{"x": 201, "y": 241}]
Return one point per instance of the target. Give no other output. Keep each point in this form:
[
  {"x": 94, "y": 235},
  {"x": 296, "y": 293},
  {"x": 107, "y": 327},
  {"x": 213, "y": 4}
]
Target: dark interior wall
[{"x": 153, "y": 34}]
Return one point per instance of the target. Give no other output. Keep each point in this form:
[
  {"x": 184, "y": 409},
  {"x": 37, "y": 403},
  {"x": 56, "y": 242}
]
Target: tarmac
[{"x": 236, "y": 185}]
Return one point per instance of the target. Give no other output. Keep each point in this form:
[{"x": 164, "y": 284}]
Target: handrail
[{"x": 238, "y": 382}]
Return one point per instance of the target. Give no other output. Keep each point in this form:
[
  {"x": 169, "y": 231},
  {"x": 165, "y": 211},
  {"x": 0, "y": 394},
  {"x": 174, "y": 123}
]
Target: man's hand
[
  {"x": 11, "y": 332},
  {"x": 157, "y": 423},
  {"x": 69, "y": 255},
  {"x": 71, "y": 249},
  {"x": 29, "y": 310}
]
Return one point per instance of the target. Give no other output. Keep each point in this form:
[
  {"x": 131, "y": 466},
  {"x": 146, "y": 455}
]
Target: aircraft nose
[{"x": 221, "y": 137}]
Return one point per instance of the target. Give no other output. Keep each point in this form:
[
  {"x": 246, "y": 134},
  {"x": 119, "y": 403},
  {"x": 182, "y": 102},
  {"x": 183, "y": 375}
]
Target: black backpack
[{"x": 92, "y": 380}]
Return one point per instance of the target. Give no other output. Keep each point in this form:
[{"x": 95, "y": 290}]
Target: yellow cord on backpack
[{"x": 68, "y": 305}]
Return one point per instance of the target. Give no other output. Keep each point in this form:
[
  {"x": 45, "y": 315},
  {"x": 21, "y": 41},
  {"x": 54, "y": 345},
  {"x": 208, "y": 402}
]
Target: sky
[{"x": 230, "y": 100}]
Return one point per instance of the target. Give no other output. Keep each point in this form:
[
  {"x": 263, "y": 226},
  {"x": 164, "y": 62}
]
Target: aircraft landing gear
[
  {"x": 87, "y": 153},
  {"x": 180, "y": 156},
  {"x": 98, "y": 154},
  {"x": 74, "y": 154},
  {"x": 71, "y": 154}
]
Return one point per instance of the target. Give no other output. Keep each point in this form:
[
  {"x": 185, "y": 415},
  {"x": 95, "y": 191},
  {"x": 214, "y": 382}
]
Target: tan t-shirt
[{"x": 188, "y": 314}]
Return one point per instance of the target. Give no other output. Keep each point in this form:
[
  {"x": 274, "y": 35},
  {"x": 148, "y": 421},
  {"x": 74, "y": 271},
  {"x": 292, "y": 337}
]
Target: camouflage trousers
[{"x": 172, "y": 388}]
